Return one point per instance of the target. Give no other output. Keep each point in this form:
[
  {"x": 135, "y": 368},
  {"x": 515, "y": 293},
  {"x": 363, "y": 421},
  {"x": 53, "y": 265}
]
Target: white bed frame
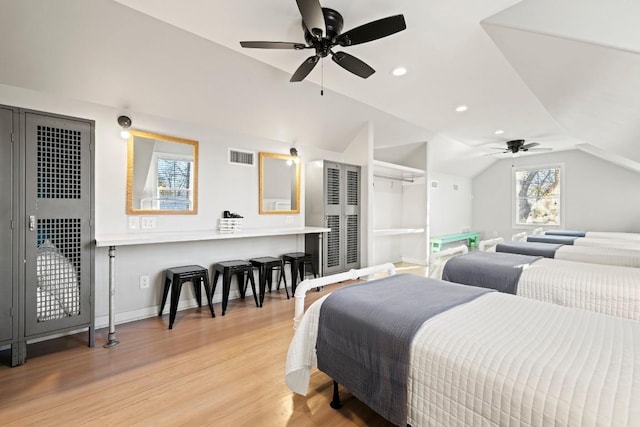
[
  {"x": 486, "y": 245},
  {"x": 353, "y": 274}
]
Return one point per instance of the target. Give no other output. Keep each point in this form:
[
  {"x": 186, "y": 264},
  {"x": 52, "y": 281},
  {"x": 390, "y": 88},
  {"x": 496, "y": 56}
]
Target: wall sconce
[
  {"x": 125, "y": 122},
  {"x": 294, "y": 152}
]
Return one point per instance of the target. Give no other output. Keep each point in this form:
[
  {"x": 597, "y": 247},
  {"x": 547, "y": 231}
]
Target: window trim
[
  {"x": 514, "y": 198},
  {"x": 178, "y": 157}
]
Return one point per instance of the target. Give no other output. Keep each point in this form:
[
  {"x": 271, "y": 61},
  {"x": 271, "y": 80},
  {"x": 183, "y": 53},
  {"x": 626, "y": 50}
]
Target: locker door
[
  {"x": 333, "y": 254},
  {"x": 7, "y": 206},
  {"x": 58, "y": 234},
  {"x": 351, "y": 217}
]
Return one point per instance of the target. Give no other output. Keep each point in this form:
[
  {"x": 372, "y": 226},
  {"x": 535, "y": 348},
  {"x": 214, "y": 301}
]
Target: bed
[
  {"x": 595, "y": 234},
  {"x": 579, "y": 241},
  {"x": 590, "y": 254},
  {"x": 604, "y": 289},
  {"x": 494, "y": 360}
]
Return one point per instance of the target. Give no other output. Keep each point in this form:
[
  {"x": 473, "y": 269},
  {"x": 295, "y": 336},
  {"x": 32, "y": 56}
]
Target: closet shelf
[
  {"x": 397, "y": 231},
  {"x": 395, "y": 171}
]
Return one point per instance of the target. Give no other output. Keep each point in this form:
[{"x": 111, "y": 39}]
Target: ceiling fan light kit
[{"x": 322, "y": 29}]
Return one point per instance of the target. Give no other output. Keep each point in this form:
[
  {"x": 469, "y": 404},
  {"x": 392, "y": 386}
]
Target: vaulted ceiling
[{"x": 564, "y": 75}]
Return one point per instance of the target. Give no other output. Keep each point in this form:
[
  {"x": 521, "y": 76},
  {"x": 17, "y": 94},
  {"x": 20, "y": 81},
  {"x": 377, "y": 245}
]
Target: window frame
[
  {"x": 514, "y": 196},
  {"x": 176, "y": 157}
]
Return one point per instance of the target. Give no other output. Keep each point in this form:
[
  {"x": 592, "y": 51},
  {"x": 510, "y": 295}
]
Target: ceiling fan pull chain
[{"x": 322, "y": 78}]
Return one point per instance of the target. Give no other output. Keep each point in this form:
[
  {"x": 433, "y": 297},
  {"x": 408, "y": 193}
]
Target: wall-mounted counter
[{"x": 113, "y": 240}]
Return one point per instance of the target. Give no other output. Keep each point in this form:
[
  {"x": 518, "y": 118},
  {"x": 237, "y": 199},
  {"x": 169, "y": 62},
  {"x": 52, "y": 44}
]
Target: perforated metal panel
[
  {"x": 59, "y": 233},
  {"x": 333, "y": 186},
  {"x": 333, "y": 241},
  {"x": 353, "y": 187},
  {"x": 58, "y": 163},
  {"x": 353, "y": 239}
]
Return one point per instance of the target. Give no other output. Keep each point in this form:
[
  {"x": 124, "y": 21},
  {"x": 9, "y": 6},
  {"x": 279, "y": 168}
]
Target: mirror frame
[
  {"x": 285, "y": 157},
  {"x": 130, "y": 158}
]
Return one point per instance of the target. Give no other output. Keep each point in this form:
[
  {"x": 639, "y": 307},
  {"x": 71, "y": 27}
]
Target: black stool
[
  {"x": 175, "y": 277},
  {"x": 298, "y": 261},
  {"x": 265, "y": 266},
  {"x": 228, "y": 269}
]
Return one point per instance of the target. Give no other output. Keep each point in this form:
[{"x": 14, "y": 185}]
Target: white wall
[
  {"x": 221, "y": 187},
  {"x": 598, "y": 195},
  {"x": 450, "y": 209}
]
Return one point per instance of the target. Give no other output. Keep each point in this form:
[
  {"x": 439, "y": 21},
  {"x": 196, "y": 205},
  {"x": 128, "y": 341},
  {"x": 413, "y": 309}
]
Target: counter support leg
[{"x": 111, "y": 338}]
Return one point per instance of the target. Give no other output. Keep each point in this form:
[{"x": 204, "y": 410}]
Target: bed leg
[{"x": 335, "y": 403}]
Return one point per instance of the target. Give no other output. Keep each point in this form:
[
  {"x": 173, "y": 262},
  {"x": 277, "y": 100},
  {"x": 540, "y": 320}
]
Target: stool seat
[
  {"x": 298, "y": 261},
  {"x": 265, "y": 266},
  {"x": 228, "y": 269},
  {"x": 174, "y": 278}
]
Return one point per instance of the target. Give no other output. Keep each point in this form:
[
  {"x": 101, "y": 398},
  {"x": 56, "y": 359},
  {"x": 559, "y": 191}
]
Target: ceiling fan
[
  {"x": 518, "y": 145},
  {"x": 323, "y": 31}
]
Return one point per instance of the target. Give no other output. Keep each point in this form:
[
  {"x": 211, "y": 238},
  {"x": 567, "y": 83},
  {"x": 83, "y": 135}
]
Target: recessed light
[
  {"x": 461, "y": 108},
  {"x": 399, "y": 71},
  {"x": 499, "y": 132}
]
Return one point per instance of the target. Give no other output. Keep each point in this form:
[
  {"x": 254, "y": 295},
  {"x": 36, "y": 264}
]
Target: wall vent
[
  {"x": 455, "y": 187},
  {"x": 241, "y": 157},
  {"x": 434, "y": 184}
]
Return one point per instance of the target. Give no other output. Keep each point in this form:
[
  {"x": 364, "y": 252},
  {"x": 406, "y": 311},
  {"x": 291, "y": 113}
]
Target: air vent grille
[
  {"x": 241, "y": 157},
  {"x": 434, "y": 184},
  {"x": 352, "y": 188},
  {"x": 59, "y": 172},
  {"x": 333, "y": 186},
  {"x": 352, "y": 239},
  {"x": 333, "y": 241}
]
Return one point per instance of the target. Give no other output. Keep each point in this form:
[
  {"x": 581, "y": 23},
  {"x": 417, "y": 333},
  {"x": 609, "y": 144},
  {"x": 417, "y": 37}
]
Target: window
[
  {"x": 174, "y": 183},
  {"x": 537, "y": 195}
]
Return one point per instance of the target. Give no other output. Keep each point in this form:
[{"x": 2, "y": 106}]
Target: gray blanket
[
  {"x": 573, "y": 233},
  {"x": 365, "y": 333},
  {"x": 547, "y": 250},
  {"x": 545, "y": 238},
  {"x": 494, "y": 270}
]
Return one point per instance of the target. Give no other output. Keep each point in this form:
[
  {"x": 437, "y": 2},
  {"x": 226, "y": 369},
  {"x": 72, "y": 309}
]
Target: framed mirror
[
  {"x": 279, "y": 184},
  {"x": 162, "y": 175}
]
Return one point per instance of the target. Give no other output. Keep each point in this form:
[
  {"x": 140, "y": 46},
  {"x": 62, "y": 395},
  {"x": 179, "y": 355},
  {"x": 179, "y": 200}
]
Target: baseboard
[{"x": 415, "y": 261}]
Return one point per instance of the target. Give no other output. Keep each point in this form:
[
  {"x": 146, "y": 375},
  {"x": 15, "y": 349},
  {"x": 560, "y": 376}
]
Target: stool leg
[
  {"x": 175, "y": 298},
  {"x": 226, "y": 285},
  {"x": 213, "y": 285},
  {"x": 242, "y": 286},
  {"x": 197, "y": 290},
  {"x": 281, "y": 277},
  {"x": 253, "y": 288},
  {"x": 262, "y": 283},
  {"x": 205, "y": 281},
  {"x": 165, "y": 292},
  {"x": 294, "y": 276}
]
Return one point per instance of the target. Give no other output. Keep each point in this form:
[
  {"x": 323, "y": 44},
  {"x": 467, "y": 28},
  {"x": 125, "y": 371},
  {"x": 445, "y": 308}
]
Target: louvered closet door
[
  {"x": 7, "y": 247},
  {"x": 334, "y": 190},
  {"x": 351, "y": 212},
  {"x": 58, "y": 212}
]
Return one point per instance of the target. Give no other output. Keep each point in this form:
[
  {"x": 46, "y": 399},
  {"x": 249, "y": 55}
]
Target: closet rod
[{"x": 393, "y": 177}]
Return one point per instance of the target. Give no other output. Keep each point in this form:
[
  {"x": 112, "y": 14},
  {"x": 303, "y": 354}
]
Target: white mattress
[
  {"x": 601, "y": 288},
  {"x": 612, "y": 235},
  {"x": 504, "y": 360},
  {"x": 608, "y": 243},
  {"x": 599, "y": 255}
]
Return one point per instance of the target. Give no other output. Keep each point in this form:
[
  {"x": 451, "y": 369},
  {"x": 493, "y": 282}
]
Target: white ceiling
[{"x": 558, "y": 74}]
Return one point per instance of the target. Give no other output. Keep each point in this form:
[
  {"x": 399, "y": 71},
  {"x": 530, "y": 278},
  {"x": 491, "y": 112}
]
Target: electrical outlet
[
  {"x": 134, "y": 223},
  {"x": 144, "y": 282},
  {"x": 147, "y": 222},
  {"x": 289, "y": 219}
]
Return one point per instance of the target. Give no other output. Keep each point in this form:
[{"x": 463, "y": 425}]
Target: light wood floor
[{"x": 227, "y": 371}]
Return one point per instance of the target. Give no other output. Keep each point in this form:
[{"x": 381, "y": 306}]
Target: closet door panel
[
  {"x": 58, "y": 212},
  {"x": 334, "y": 193},
  {"x": 352, "y": 218},
  {"x": 7, "y": 247}
]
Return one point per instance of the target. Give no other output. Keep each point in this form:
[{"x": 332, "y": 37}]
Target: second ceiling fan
[{"x": 323, "y": 31}]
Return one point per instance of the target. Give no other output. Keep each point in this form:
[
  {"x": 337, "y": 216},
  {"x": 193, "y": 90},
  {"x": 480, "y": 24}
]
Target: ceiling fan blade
[
  {"x": 312, "y": 16},
  {"x": 304, "y": 69},
  {"x": 273, "y": 45},
  {"x": 530, "y": 145},
  {"x": 352, "y": 64},
  {"x": 372, "y": 31}
]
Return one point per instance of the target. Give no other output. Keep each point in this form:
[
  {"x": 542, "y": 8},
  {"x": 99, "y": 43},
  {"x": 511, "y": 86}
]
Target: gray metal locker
[
  {"x": 8, "y": 243},
  {"x": 333, "y": 201},
  {"x": 51, "y": 245}
]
